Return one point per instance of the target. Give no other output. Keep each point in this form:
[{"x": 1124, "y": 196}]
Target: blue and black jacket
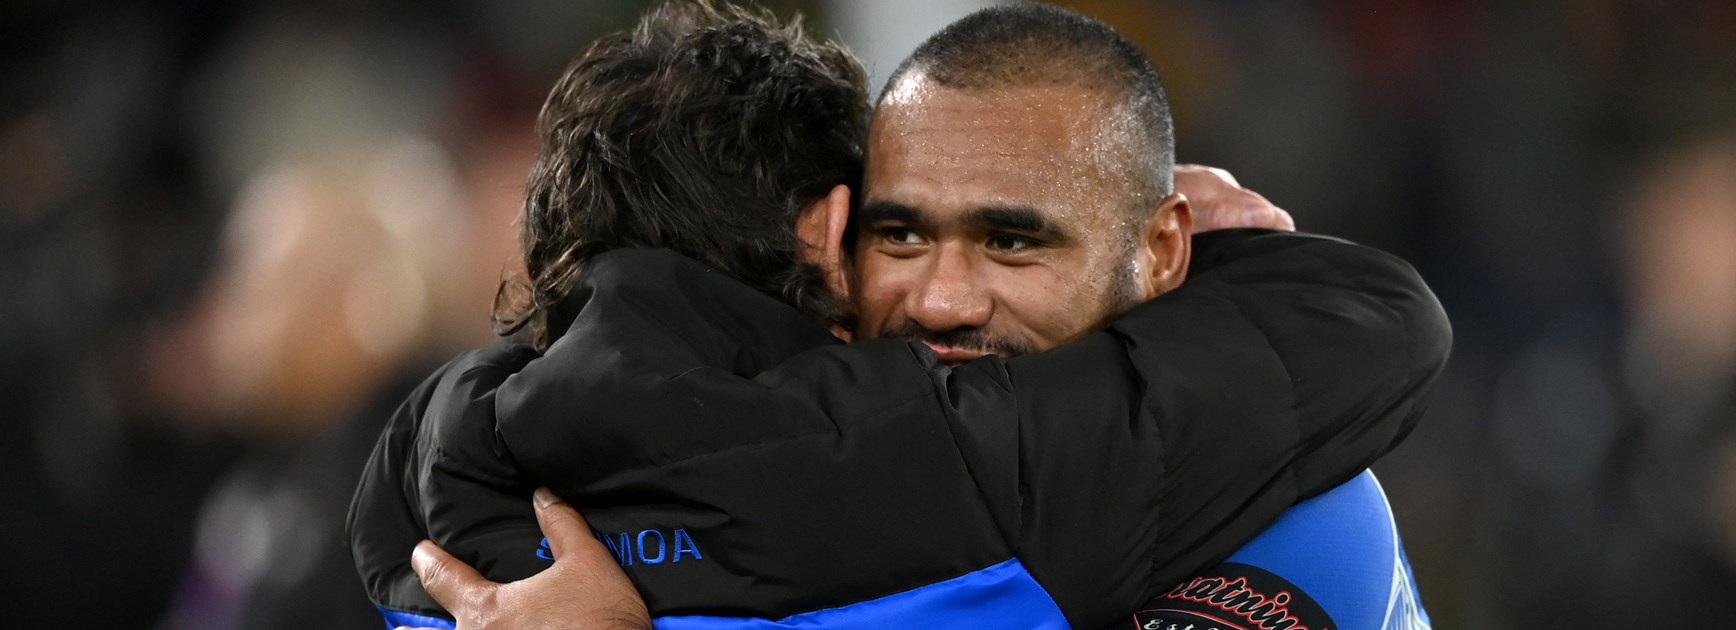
[
  {"x": 1333, "y": 561},
  {"x": 749, "y": 470}
]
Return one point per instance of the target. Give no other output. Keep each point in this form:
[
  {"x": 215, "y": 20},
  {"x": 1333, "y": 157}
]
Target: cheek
[
  {"x": 1055, "y": 304},
  {"x": 880, "y": 288},
  {"x": 1034, "y": 302}
]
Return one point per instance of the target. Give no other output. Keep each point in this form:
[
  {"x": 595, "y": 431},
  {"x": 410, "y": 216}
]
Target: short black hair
[
  {"x": 1024, "y": 45},
  {"x": 704, "y": 130}
]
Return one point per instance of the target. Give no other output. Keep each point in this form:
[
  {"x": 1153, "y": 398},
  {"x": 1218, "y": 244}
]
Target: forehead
[{"x": 943, "y": 149}]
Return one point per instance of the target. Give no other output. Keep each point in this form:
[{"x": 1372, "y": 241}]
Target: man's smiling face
[{"x": 994, "y": 221}]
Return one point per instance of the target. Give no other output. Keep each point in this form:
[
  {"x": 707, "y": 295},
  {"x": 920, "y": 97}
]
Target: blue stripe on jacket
[{"x": 1000, "y": 596}]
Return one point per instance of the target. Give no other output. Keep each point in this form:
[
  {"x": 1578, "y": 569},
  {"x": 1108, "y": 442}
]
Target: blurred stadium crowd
[{"x": 233, "y": 234}]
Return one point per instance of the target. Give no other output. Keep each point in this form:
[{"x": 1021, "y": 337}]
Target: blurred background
[{"x": 233, "y": 234}]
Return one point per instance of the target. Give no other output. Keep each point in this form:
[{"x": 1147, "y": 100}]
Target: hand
[
  {"x": 585, "y": 588},
  {"x": 1219, "y": 203}
]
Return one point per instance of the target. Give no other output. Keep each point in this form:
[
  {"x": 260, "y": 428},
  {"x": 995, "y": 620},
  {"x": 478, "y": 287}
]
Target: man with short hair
[
  {"x": 1019, "y": 194},
  {"x": 766, "y": 481},
  {"x": 1019, "y": 191}
]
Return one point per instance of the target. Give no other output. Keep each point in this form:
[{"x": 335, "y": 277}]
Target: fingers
[
  {"x": 1218, "y": 201},
  {"x": 585, "y": 562},
  {"x": 1260, "y": 213},
  {"x": 1221, "y": 174},
  {"x": 447, "y": 579},
  {"x": 561, "y": 524},
  {"x": 1285, "y": 222}
]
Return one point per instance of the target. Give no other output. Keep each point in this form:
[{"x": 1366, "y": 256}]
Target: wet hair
[
  {"x": 705, "y": 130},
  {"x": 1032, "y": 45}
]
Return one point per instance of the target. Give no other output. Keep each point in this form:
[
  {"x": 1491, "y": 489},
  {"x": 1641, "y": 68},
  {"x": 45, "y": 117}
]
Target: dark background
[{"x": 231, "y": 232}]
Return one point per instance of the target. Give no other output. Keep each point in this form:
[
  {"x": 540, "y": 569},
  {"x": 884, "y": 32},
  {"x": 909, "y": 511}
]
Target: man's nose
[{"x": 952, "y": 296}]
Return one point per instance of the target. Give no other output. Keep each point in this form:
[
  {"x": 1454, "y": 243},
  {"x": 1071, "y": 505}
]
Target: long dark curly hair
[{"x": 705, "y": 130}]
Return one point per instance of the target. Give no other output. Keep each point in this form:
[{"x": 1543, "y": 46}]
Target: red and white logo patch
[{"x": 1234, "y": 597}]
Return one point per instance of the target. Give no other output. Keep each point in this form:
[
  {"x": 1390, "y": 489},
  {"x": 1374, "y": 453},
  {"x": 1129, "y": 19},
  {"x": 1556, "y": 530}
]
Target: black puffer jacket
[{"x": 741, "y": 462}]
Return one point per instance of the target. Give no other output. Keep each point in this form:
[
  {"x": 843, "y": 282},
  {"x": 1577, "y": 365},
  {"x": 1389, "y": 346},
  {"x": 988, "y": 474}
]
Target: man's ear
[
  {"x": 821, "y": 230},
  {"x": 1165, "y": 247}
]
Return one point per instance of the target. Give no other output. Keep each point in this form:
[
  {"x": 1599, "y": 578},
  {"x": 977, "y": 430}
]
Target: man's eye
[
  {"x": 900, "y": 236},
  {"x": 1011, "y": 242}
]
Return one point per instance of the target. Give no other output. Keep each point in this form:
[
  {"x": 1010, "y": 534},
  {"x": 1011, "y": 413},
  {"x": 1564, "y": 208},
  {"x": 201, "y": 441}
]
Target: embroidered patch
[{"x": 1234, "y": 596}]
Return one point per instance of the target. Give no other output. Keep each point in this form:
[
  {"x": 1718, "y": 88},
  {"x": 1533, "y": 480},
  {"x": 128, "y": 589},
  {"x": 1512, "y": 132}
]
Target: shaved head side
[{"x": 1033, "y": 45}]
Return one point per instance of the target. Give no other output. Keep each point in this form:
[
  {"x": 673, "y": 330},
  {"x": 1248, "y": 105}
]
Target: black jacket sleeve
[
  {"x": 1112, "y": 466},
  {"x": 439, "y": 472},
  {"x": 1279, "y": 372}
]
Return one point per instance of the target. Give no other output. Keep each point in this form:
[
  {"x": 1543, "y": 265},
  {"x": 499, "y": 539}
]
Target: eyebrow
[
  {"x": 1023, "y": 219},
  {"x": 1017, "y": 219},
  {"x": 892, "y": 212}
]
